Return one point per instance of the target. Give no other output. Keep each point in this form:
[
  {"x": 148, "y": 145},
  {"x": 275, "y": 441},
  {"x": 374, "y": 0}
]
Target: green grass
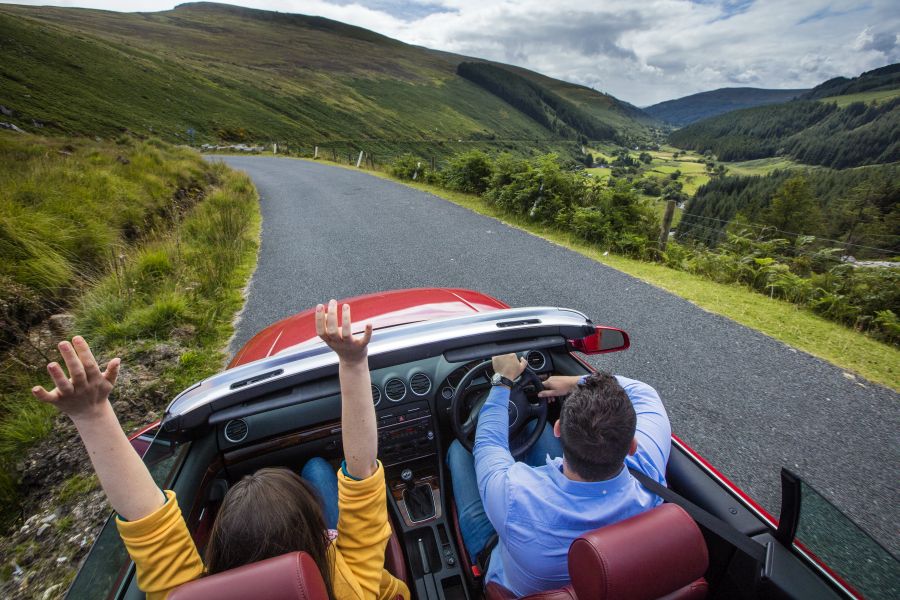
[
  {"x": 77, "y": 485},
  {"x": 794, "y": 326},
  {"x": 601, "y": 173},
  {"x": 867, "y": 97},
  {"x": 762, "y": 166},
  {"x": 187, "y": 272}
]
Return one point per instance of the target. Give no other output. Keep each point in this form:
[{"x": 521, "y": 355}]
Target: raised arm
[
  {"x": 84, "y": 397},
  {"x": 359, "y": 432}
]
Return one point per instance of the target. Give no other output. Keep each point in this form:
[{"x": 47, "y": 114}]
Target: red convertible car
[{"x": 278, "y": 404}]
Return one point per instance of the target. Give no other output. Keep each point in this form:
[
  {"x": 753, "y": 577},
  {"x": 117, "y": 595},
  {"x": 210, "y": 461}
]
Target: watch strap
[{"x": 501, "y": 380}]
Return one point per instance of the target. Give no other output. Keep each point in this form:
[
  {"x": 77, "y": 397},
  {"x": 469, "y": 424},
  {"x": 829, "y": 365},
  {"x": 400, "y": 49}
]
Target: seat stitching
[{"x": 301, "y": 584}]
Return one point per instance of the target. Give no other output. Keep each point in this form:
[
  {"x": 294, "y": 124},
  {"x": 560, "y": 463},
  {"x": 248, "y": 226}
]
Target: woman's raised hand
[
  {"x": 85, "y": 392},
  {"x": 339, "y": 338}
]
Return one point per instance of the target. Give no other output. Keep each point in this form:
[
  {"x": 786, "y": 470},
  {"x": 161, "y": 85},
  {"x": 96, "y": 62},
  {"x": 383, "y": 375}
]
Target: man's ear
[
  {"x": 633, "y": 447},
  {"x": 556, "y": 430}
]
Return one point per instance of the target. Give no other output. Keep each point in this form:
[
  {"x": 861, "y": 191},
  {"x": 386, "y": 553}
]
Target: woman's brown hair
[{"x": 267, "y": 514}]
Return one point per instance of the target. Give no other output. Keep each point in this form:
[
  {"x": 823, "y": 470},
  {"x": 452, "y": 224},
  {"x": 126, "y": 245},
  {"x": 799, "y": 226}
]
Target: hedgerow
[{"x": 615, "y": 217}]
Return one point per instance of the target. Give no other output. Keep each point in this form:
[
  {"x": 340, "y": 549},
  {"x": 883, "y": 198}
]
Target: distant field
[
  {"x": 600, "y": 172},
  {"x": 693, "y": 170},
  {"x": 867, "y": 97},
  {"x": 762, "y": 166}
]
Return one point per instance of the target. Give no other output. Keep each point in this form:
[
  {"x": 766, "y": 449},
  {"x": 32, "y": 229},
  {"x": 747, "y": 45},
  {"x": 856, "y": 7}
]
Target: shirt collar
[{"x": 587, "y": 488}]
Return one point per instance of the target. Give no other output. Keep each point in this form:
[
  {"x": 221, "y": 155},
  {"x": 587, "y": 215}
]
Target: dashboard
[{"x": 404, "y": 395}]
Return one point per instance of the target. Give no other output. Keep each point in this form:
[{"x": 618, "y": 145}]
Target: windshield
[
  {"x": 845, "y": 548},
  {"x": 105, "y": 568}
]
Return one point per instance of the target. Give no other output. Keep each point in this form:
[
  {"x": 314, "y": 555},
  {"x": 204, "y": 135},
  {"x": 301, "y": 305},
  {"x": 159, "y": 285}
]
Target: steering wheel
[{"x": 524, "y": 407}]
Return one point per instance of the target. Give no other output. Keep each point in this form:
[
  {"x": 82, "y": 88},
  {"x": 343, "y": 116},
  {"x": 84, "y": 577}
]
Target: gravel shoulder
[{"x": 745, "y": 401}]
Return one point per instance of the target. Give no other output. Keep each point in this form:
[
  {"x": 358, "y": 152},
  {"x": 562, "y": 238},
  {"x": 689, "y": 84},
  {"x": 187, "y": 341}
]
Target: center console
[{"x": 408, "y": 447}]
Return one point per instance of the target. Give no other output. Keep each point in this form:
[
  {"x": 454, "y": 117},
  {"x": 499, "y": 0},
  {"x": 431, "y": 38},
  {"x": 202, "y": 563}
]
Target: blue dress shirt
[{"x": 538, "y": 511}]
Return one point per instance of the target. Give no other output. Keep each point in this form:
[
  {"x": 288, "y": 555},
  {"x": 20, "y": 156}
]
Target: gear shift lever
[{"x": 418, "y": 498}]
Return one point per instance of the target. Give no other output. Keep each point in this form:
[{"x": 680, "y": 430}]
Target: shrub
[
  {"x": 408, "y": 167},
  {"x": 468, "y": 172}
]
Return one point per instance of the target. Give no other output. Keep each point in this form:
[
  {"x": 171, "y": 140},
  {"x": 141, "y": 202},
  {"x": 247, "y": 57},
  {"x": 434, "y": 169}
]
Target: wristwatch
[{"x": 499, "y": 379}]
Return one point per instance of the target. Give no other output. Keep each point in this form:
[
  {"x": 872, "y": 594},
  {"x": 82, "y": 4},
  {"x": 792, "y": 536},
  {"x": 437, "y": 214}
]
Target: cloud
[
  {"x": 884, "y": 42},
  {"x": 642, "y": 52}
]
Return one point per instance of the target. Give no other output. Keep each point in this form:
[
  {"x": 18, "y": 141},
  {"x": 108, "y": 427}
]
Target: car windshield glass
[
  {"x": 105, "y": 568},
  {"x": 847, "y": 550}
]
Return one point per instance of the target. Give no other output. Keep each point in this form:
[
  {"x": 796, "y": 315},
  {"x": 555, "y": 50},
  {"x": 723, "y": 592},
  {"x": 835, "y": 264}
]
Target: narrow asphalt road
[{"x": 746, "y": 402}]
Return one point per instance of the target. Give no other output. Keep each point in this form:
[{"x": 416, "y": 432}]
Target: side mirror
[{"x": 603, "y": 340}]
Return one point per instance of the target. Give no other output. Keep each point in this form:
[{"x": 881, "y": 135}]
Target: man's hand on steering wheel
[{"x": 509, "y": 365}]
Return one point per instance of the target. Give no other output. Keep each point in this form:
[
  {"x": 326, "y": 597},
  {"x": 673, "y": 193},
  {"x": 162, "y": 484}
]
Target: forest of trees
[
  {"x": 547, "y": 108},
  {"x": 810, "y": 132},
  {"x": 858, "y": 208}
]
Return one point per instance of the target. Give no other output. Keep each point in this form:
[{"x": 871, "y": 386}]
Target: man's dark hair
[{"x": 597, "y": 425}]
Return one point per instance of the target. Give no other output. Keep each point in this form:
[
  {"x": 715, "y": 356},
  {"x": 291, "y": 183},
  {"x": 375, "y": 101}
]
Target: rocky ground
[{"x": 61, "y": 505}]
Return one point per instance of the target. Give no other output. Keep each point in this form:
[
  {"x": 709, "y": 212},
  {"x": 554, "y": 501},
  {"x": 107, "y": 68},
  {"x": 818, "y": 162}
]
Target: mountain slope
[
  {"x": 864, "y": 130},
  {"x": 884, "y": 78},
  {"x": 689, "y": 109},
  {"x": 237, "y": 74}
]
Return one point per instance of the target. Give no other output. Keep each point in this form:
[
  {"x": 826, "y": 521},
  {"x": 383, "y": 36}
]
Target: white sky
[{"x": 642, "y": 51}]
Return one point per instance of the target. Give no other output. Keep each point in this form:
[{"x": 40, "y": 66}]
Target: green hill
[
  {"x": 693, "y": 108},
  {"x": 207, "y": 72},
  {"x": 884, "y": 78},
  {"x": 827, "y": 133}
]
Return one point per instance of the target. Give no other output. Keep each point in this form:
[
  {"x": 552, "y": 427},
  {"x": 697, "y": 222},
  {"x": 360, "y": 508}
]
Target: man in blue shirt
[{"x": 606, "y": 424}]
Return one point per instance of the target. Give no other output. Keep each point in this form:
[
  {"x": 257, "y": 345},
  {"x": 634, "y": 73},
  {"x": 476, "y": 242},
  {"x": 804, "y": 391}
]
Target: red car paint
[
  {"x": 382, "y": 310},
  {"x": 141, "y": 444}
]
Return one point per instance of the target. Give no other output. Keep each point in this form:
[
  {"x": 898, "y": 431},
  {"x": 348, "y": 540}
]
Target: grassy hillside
[
  {"x": 207, "y": 72},
  {"x": 884, "y": 78},
  {"x": 144, "y": 249},
  {"x": 870, "y": 97},
  {"x": 693, "y": 108}
]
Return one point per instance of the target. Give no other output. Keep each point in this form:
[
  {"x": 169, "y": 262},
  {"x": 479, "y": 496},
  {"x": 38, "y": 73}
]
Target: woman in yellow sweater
[{"x": 266, "y": 514}]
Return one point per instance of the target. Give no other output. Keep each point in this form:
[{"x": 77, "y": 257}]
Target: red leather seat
[
  {"x": 293, "y": 576},
  {"x": 658, "y": 554},
  {"x": 393, "y": 560}
]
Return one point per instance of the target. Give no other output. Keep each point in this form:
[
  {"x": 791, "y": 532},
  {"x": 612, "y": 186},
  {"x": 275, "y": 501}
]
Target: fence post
[
  {"x": 316, "y": 153},
  {"x": 359, "y": 160},
  {"x": 333, "y": 155},
  {"x": 666, "y": 225}
]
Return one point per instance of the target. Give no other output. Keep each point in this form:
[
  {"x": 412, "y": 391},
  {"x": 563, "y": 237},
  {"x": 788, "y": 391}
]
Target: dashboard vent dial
[
  {"x": 536, "y": 360},
  {"x": 395, "y": 390},
  {"x": 376, "y": 394},
  {"x": 420, "y": 384},
  {"x": 236, "y": 430}
]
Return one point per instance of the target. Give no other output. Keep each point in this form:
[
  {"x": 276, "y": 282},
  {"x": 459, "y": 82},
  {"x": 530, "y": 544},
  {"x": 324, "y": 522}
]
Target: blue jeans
[
  {"x": 319, "y": 473},
  {"x": 474, "y": 525}
]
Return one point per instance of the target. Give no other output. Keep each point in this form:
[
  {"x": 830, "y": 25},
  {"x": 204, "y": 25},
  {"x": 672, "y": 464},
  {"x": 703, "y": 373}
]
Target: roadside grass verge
[
  {"x": 173, "y": 241},
  {"x": 797, "y": 327}
]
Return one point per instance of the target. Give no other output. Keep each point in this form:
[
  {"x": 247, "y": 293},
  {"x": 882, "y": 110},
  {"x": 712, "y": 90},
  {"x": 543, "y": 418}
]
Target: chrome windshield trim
[{"x": 312, "y": 361}]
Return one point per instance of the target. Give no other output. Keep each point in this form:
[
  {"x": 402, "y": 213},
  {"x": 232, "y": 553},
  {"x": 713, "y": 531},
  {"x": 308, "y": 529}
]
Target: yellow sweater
[{"x": 165, "y": 556}]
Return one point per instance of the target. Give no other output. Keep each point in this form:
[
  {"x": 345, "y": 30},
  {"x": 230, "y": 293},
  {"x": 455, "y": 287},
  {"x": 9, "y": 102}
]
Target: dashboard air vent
[
  {"x": 236, "y": 430},
  {"x": 536, "y": 360},
  {"x": 395, "y": 390},
  {"x": 420, "y": 384},
  {"x": 376, "y": 394}
]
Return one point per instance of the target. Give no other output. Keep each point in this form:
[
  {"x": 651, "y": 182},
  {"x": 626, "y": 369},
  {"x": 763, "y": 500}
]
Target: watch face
[{"x": 495, "y": 380}]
